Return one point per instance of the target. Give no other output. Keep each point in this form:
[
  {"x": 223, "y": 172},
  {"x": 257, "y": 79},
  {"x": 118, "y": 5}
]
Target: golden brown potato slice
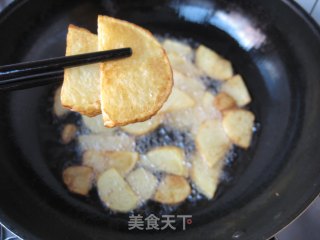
[
  {"x": 238, "y": 124},
  {"x": 115, "y": 192},
  {"x": 143, "y": 183},
  {"x": 95, "y": 125},
  {"x": 141, "y": 128},
  {"x": 177, "y": 47},
  {"x": 81, "y": 85},
  {"x": 78, "y": 179},
  {"x": 166, "y": 159},
  {"x": 178, "y": 100},
  {"x": 133, "y": 89},
  {"x": 100, "y": 161},
  {"x": 105, "y": 142},
  {"x": 237, "y": 89},
  {"x": 58, "y": 109},
  {"x": 223, "y": 101},
  {"x": 68, "y": 133},
  {"x": 205, "y": 178},
  {"x": 213, "y": 64},
  {"x": 212, "y": 142},
  {"x": 172, "y": 190}
]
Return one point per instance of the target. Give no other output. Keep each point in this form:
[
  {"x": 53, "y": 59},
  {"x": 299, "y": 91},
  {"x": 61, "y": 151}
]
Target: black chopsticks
[
  {"x": 30, "y": 74},
  {"x": 31, "y": 80}
]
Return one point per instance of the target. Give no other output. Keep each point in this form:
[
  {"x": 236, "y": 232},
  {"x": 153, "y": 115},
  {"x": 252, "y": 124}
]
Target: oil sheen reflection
[{"x": 237, "y": 25}]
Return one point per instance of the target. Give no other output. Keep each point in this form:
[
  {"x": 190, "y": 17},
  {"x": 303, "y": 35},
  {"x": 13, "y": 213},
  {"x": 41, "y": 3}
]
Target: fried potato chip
[
  {"x": 78, "y": 179},
  {"x": 172, "y": 190},
  {"x": 133, "y": 89},
  {"x": 81, "y": 85},
  {"x": 58, "y": 109},
  {"x": 143, "y": 183},
  {"x": 213, "y": 64},
  {"x": 141, "y": 128},
  {"x": 177, "y": 47},
  {"x": 237, "y": 89},
  {"x": 115, "y": 192},
  {"x": 223, "y": 101},
  {"x": 178, "y": 100},
  {"x": 205, "y": 178},
  {"x": 167, "y": 159},
  {"x": 212, "y": 142},
  {"x": 238, "y": 125},
  {"x": 99, "y": 161},
  {"x": 68, "y": 133},
  {"x": 95, "y": 125}
]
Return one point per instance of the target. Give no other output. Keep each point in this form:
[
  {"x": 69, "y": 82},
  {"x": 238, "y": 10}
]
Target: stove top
[{"x": 305, "y": 226}]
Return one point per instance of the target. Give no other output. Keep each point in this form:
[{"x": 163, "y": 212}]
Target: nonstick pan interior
[{"x": 271, "y": 43}]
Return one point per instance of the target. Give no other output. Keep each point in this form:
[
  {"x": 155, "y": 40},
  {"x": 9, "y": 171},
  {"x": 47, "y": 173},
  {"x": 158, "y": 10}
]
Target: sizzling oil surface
[{"x": 176, "y": 128}]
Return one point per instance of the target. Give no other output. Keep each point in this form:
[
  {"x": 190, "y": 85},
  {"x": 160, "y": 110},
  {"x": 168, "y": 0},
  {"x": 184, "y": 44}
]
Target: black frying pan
[{"x": 272, "y": 182}]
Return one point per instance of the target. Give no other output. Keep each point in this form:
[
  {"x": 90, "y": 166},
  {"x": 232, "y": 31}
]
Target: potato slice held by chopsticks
[
  {"x": 133, "y": 89},
  {"x": 212, "y": 142},
  {"x": 172, "y": 190},
  {"x": 81, "y": 85},
  {"x": 238, "y": 124},
  {"x": 115, "y": 192}
]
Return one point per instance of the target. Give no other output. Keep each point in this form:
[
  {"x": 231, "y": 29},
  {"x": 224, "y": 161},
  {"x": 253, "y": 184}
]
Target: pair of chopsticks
[{"x": 42, "y": 72}]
